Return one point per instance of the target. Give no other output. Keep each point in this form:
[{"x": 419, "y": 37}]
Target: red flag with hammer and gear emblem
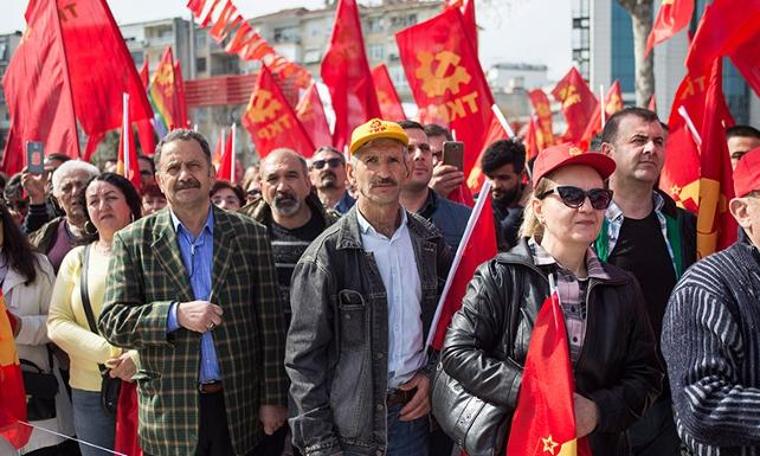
[
  {"x": 543, "y": 109},
  {"x": 311, "y": 114},
  {"x": 544, "y": 420},
  {"x": 672, "y": 17},
  {"x": 271, "y": 120},
  {"x": 578, "y": 104},
  {"x": 387, "y": 97},
  {"x": 613, "y": 102},
  {"x": 346, "y": 73},
  {"x": 746, "y": 59},
  {"x": 446, "y": 79}
]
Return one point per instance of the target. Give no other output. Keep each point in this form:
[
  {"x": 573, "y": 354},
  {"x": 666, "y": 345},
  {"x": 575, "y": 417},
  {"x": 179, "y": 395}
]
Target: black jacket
[{"x": 617, "y": 369}]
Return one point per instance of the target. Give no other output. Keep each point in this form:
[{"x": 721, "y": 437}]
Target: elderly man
[
  {"x": 741, "y": 139},
  {"x": 193, "y": 289},
  {"x": 294, "y": 217},
  {"x": 710, "y": 339},
  {"x": 56, "y": 237},
  {"x": 363, "y": 297},
  {"x": 449, "y": 217},
  {"x": 647, "y": 235},
  {"x": 327, "y": 171}
]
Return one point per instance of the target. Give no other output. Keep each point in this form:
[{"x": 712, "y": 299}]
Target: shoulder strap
[{"x": 84, "y": 290}]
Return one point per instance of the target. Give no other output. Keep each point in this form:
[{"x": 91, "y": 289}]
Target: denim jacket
[{"x": 336, "y": 355}]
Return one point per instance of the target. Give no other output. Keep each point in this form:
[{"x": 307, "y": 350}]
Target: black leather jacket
[
  {"x": 337, "y": 347},
  {"x": 487, "y": 342}
]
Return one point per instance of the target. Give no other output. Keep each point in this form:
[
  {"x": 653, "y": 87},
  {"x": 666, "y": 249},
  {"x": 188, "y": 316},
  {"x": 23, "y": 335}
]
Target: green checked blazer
[{"x": 146, "y": 275}]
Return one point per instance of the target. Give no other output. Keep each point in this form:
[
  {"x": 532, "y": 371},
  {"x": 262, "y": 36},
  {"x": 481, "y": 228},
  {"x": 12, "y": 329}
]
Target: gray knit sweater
[{"x": 711, "y": 344}]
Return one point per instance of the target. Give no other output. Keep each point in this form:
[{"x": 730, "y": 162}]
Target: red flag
[
  {"x": 227, "y": 19},
  {"x": 672, "y": 17},
  {"x": 531, "y": 139},
  {"x": 145, "y": 131},
  {"x": 445, "y": 78},
  {"x": 478, "y": 245},
  {"x": 125, "y": 440},
  {"x": 346, "y": 73},
  {"x": 652, "y": 103},
  {"x": 746, "y": 59},
  {"x": 196, "y": 6},
  {"x": 716, "y": 227},
  {"x": 216, "y": 157},
  {"x": 225, "y": 164},
  {"x": 127, "y": 164},
  {"x": 544, "y": 419},
  {"x": 543, "y": 110},
  {"x": 613, "y": 102},
  {"x": 578, "y": 104},
  {"x": 163, "y": 91},
  {"x": 38, "y": 91},
  {"x": 92, "y": 144},
  {"x": 725, "y": 26},
  {"x": 271, "y": 121},
  {"x": 470, "y": 23},
  {"x": 179, "y": 87},
  {"x": 311, "y": 114},
  {"x": 495, "y": 132},
  {"x": 100, "y": 66},
  {"x": 387, "y": 97},
  {"x": 12, "y": 394}
]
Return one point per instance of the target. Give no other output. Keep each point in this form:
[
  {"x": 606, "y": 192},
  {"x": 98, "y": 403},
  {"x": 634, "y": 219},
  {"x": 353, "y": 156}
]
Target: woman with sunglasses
[{"x": 611, "y": 343}]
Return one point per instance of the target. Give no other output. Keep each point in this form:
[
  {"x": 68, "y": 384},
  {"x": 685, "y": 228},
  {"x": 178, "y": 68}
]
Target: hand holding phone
[{"x": 453, "y": 154}]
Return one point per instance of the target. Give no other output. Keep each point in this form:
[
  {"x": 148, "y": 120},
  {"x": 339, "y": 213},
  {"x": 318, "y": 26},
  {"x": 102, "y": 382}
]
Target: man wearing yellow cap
[{"x": 363, "y": 297}]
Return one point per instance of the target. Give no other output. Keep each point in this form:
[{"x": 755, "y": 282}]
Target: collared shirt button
[{"x": 380, "y": 407}]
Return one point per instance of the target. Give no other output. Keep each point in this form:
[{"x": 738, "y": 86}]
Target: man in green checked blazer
[{"x": 193, "y": 289}]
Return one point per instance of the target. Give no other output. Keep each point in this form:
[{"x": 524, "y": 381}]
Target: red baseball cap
[
  {"x": 555, "y": 157},
  {"x": 747, "y": 173}
]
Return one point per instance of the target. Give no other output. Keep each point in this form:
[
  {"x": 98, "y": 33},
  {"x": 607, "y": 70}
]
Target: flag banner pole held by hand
[{"x": 468, "y": 257}]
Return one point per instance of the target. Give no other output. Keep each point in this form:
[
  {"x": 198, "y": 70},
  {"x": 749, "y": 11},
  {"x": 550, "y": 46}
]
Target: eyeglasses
[
  {"x": 331, "y": 162},
  {"x": 574, "y": 197}
]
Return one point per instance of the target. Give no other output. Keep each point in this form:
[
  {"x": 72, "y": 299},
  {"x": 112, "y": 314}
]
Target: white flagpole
[
  {"x": 474, "y": 215},
  {"x": 232, "y": 154},
  {"x": 503, "y": 121},
  {"x": 601, "y": 104},
  {"x": 690, "y": 125},
  {"x": 125, "y": 131},
  {"x": 195, "y": 128}
]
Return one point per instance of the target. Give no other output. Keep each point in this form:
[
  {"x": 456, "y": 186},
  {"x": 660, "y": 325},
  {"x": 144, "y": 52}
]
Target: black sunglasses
[
  {"x": 575, "y": 197},
  {"x": 331, "y": 162}
]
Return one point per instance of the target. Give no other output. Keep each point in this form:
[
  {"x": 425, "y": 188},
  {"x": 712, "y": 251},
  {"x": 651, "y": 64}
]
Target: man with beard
[
  {"x": 646, "y": 234},
  {"x": 503, "y": 163},
  {"x": 294, "y": 217},
  {"x": 449, "y": 217},
  {"x": 328, "y": 175},
  {"x": 363, "y": 297}
]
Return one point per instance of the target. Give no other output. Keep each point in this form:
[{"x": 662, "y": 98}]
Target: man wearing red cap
[
  {"x": 647, "y": 235},
  {"x": 710, "y": 337}
]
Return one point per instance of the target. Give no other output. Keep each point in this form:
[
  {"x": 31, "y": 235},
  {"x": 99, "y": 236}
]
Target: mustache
[
  {"x": 383, "y": 181},
  {"x": 284, "y": 198},
  {"x": 189, "y": 183}
]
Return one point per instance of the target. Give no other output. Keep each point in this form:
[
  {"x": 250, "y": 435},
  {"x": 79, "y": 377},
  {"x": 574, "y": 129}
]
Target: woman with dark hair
[
  {"x": 27, "y": 283},
  {"x": 611, "y": 343},
  {"x": 227, "y": 195},
  {"x": 111, "y": 203}
]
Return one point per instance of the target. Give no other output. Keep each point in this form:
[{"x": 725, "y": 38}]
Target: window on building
[
  {"x": 3, "y": 52},
  {"x": 286, "y": 34},
  {"x": 138, "y": 57},
  {"x": 398, "y": 77},
  {"x": 200, "y": 64},
  {"x": 201, "y": 39},
  {"x": 403, "y": 21},
  {"x": 376, "y": 51},
  {"x": 374, "y": 25}
]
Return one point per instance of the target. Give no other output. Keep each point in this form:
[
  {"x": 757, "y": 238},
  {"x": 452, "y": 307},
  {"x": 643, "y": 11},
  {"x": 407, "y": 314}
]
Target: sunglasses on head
[
  {"x": 574, "y": 197},
  {"x": 331, "y": 162}
]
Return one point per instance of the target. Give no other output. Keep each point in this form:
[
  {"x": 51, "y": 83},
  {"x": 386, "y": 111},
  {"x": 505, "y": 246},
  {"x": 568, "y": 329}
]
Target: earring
[{"x": 89, "y": 228}]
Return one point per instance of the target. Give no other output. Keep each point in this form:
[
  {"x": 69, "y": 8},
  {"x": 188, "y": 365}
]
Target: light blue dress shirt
[
  {"x": 398, "y": 269},
  {"x": 198, "y": 257}
]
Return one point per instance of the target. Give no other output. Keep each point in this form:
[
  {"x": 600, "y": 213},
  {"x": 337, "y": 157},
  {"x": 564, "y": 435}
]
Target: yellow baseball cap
[{"x": 376, "y": 129}]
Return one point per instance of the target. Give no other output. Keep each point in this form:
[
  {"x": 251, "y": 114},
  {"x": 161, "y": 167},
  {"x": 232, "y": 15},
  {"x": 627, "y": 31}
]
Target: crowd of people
[{"x": 289, "y": 314}]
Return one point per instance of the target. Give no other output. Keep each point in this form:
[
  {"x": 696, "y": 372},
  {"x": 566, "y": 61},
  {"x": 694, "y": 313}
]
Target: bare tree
[{"x": 641, "y": 18}]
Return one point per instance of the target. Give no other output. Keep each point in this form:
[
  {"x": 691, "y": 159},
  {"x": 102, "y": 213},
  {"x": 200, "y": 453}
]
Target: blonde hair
[{"x": 531, "y": 227}]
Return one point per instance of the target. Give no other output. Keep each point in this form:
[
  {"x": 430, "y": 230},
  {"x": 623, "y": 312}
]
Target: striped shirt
[
  {"x": 572, "y": 293},
  {"x": 711, "y": 344}
]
